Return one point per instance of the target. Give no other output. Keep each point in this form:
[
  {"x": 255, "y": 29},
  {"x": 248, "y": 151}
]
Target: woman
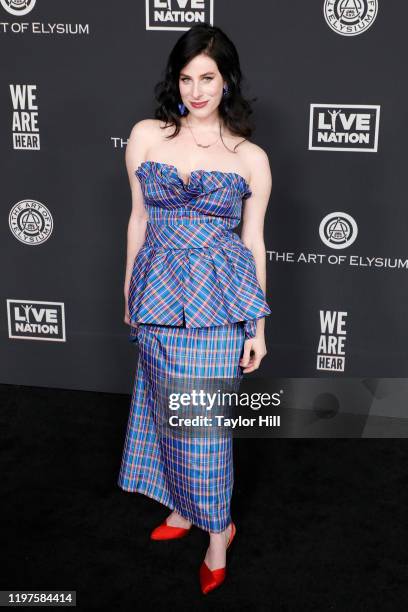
[{"x": 194, "y": 291}]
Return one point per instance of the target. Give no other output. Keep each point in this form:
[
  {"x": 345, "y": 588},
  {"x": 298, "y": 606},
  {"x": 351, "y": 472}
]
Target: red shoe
[
  {"x": 211, "y": 579},
  {"x": 168, "y": 532}
]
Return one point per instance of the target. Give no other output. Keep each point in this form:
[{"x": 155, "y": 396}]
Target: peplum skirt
[{"x": 192, "y": 475}]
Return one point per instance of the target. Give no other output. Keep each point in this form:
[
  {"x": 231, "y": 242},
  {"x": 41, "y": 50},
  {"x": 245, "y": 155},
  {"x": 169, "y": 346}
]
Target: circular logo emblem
[
  {"x": 18, "y": 7},
  {"x": 338, "y": 230},
  {"x": 30, "y": 222},
  {"x": 350, "y": 17}
]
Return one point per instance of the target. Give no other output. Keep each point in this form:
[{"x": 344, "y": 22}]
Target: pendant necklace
[{"x": 201, "y": 145}]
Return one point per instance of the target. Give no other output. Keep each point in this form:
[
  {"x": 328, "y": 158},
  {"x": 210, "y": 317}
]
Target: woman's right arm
[{"x": 135, "y": 151}]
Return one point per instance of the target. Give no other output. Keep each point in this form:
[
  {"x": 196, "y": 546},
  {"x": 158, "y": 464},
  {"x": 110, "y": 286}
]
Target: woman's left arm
[{"x": 252, "y": 236}]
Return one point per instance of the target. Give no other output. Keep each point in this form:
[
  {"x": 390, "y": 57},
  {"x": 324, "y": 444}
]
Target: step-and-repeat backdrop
[{"x": 331, "y": 112}]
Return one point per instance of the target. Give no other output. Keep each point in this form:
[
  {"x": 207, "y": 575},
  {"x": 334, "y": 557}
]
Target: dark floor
[{"x": 321, "y": 524}]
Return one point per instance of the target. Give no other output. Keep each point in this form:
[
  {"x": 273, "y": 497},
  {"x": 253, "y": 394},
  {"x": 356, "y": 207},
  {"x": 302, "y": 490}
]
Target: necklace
[{"x": 201, "y": 145}]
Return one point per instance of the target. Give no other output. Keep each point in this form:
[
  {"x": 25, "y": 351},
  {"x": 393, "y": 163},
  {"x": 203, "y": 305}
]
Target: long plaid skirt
[{"x": 193, "y": 475}]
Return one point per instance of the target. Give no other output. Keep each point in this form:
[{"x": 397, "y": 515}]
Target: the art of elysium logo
[
  {"x": 33, "y": 320},
  {"x": 30, "y": 222},
  {"x": 22, "y": 7},
  {"x": 18, "y": 7},
  {"x": 338, "y": 230},
  {"x": 178, "y": 14},
  {"x": 344, "y": 127},
  {"x": 350, "y": 17}
]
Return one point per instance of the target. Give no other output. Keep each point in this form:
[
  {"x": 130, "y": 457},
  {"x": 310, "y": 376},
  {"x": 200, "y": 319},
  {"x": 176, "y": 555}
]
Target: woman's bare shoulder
[
  {"x": 147, "y": 127},
  {"x": 144, "y": 135},
  {"x": 254, "y": 157},
  {"x": 252, "y": 152}
]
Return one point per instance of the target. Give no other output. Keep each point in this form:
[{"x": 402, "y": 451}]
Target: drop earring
[
  {"x": 182, "y": 108},
  {"x": 225, "y": 90}
]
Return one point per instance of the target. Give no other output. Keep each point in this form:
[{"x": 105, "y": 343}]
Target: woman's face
[{"x": 201, "y": 81}]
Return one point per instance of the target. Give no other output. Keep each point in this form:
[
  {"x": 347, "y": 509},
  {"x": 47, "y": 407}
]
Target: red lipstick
[{"x": 199, "y": 104}]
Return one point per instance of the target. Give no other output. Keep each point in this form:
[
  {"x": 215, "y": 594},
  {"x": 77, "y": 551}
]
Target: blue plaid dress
[{"x": 193, "y": 300}]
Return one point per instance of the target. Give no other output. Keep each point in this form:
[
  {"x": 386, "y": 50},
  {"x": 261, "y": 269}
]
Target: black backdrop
[{"x": 92, "y": 67}]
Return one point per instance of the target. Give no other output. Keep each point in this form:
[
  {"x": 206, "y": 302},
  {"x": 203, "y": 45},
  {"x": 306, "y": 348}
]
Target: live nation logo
[
  {"x": 330, "y": 352},
  {"x": 344, "y": 127},
  {"x": 33, "y": 320},
  {"x": 25, "y": 117},
  {"x": 178, "y": 14}
]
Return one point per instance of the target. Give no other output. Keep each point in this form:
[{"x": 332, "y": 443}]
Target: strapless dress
[{"x": 193, "y": 270}]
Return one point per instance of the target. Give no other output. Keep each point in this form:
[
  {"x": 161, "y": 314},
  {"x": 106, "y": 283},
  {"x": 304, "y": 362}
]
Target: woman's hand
[
  {"x": 250, "y": 362},
  {"x": 126, "y": 318}
]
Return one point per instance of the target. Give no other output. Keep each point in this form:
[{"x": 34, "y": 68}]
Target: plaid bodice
[{"x": 192, "y": 268}]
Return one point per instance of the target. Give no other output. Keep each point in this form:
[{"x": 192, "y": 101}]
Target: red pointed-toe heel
[
  {"x": 211, "y": 579},
  {"x": 168, "y": 532}
]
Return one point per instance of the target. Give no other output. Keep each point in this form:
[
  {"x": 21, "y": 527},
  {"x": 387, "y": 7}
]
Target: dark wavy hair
[{"x": 234, "y": 109}]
